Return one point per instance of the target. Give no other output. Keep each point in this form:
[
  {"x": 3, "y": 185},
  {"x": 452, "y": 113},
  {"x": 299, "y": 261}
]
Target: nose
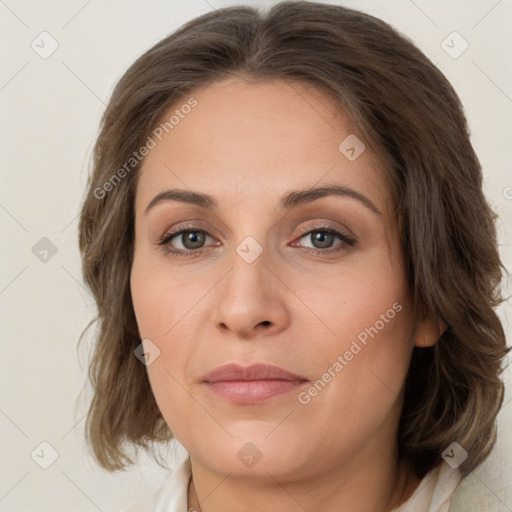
[{"x": 251, "y": 300}]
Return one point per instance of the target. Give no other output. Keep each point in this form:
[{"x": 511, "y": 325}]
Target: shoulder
[
  {"x": 147, "y": 503},
  {"x": 475, "y": 494},
  {"x": 171, "y": 496},
  {"x": 434, "y": 492}
]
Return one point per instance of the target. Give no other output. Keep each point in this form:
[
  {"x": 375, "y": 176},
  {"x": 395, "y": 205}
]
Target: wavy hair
[{"x": 411, "y": 116}]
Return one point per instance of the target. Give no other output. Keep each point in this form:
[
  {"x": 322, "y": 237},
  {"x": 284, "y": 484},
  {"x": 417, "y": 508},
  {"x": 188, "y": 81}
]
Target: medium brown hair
[{"x": 409, "y": 113}]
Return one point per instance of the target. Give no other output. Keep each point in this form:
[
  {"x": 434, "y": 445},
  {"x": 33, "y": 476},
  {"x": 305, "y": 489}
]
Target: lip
[{"x": 251, "y": 384}]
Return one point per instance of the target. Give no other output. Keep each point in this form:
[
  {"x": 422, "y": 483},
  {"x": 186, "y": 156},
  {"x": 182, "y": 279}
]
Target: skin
[{"x": 247, "y": 143}]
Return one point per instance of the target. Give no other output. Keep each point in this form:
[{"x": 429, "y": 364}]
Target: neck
[{"x": 357, "y": 488}]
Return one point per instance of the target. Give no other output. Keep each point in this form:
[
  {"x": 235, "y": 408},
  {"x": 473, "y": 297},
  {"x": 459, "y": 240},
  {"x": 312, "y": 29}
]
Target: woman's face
[{"x": 266, "y": 283}]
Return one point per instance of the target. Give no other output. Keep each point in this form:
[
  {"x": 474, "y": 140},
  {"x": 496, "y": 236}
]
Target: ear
[{"x": 427, "y": 332}]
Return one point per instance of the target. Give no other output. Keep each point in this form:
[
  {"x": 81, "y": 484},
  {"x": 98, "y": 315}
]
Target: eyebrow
[{"x": 288, "y": 201}]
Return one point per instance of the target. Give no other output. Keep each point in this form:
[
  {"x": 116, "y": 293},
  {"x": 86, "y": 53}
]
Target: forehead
[{"x": 258, "y": 139}]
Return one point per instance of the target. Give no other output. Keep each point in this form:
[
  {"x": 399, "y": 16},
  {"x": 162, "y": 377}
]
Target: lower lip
[{"x": 253, "y": 391}]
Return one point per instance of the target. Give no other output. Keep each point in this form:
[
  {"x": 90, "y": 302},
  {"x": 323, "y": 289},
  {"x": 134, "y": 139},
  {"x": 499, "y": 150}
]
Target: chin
[{"x": 256, "y": 455}]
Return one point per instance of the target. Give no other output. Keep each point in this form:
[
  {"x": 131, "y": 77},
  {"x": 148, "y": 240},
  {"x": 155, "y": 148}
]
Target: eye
[
  {"x": 190, "y": 239},
  {"x": 323, "y": 238}
]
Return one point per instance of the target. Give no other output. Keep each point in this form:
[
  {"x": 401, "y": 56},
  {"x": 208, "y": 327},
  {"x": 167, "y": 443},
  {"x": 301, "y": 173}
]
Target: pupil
[
  {"x": 322, "y": 238},
  {"x": 195, "y": 238}
]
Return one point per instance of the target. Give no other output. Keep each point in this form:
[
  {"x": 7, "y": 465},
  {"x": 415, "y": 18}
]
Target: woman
[{"x": 279, "y": 232}]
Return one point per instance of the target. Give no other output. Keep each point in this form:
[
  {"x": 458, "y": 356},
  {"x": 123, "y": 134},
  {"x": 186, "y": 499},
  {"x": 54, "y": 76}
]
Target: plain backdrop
[{"x": 50, "y": 111}]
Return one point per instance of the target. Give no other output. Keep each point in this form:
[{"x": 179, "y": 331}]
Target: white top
[{"x": 433, "y": 494}]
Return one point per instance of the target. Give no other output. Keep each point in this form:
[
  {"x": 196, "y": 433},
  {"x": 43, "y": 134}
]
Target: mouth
[{"x": 253, "y": 384}]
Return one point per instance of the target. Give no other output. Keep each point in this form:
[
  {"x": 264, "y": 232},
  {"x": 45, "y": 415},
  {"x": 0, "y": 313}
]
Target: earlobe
[{"x": 428, "y": 332}]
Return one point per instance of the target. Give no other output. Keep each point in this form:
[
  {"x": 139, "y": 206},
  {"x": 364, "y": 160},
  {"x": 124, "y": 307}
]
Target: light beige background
[{"x": 50, "y": 110}]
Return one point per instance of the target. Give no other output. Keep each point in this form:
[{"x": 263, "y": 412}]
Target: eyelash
[{"x": 168, "y": 237}]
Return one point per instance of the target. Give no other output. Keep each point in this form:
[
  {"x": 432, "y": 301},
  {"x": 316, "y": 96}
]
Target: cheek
[
  {"x": 351, "y": 302},
  {"x": 156, "y": 312},
  {"x": 359, "y": 371},
  {"x": 163, "y": 304},
  {"x": 365, "y": 318},
  {"x": 165, "y": 315}
]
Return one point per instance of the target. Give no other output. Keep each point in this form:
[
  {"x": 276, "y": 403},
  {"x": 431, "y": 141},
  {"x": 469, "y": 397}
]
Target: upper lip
[{"x": 259, "y": 371}]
